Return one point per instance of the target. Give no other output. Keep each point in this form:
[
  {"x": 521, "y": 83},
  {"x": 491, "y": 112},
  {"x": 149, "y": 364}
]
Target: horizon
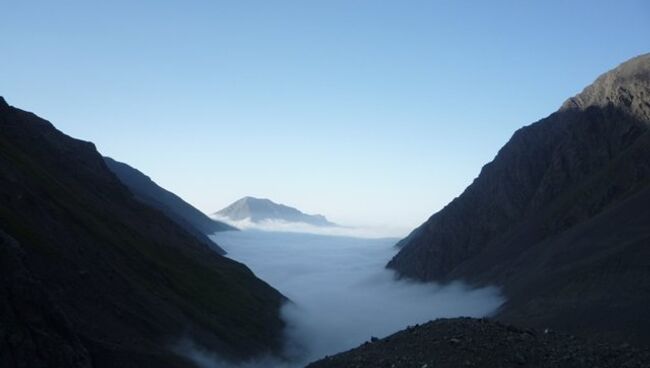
[{"x": 356, "y": 111}]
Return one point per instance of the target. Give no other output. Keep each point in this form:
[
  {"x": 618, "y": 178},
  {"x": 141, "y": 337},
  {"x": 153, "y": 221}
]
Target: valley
[
  {"x": 340, "y": 293},
  {"x": 325, "y": 184}
]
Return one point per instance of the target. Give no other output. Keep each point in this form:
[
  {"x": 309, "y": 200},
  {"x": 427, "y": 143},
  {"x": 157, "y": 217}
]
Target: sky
[{"x": 369, "y": 112}]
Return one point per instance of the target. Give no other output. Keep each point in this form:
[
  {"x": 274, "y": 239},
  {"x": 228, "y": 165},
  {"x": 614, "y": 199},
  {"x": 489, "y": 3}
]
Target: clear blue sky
[{"x": 373, "y": 112}]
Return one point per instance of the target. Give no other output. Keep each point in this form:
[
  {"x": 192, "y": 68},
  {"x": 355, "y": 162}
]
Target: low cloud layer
[
  {"x": 341, "y": 291},
  {"x": 365, "y": 231}
]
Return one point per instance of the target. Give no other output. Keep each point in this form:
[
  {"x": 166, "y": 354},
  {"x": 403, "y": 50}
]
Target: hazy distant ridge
[{"x": 261, "y": 209}]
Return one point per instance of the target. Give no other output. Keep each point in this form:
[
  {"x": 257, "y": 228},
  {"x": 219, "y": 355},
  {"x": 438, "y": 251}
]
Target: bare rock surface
[{"x": 466, "y": 342}]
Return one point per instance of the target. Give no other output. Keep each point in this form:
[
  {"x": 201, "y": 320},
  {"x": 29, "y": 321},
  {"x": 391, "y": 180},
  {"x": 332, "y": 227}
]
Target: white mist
[{"x": 341, "y": 291}]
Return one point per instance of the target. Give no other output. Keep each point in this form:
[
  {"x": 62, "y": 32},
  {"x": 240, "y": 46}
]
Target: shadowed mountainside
[
  {"x": 559, "y": 218},
  {"x": 92, "y": 277},
  {"x": 183, "y": 213}
]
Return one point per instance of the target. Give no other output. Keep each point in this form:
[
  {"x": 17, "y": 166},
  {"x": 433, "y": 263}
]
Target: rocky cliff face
[
  {"x": 544, "y": 218},
  {"x": 90, "y": 276},
  {"x": 625, "y": 87}
]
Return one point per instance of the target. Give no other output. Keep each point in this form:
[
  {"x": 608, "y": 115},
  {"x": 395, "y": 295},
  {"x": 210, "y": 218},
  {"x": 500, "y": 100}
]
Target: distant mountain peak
[
  {"x": 264, "y": 209},
  {"x": 256, "y": 199}
]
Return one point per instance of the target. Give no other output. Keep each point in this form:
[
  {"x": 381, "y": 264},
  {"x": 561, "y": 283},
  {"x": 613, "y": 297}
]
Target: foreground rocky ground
[{"x": 467, "y": 342}]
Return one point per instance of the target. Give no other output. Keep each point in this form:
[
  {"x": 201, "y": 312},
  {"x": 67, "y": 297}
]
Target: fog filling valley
[
  {"x": 381, "y": 231},
  {"x": 342, "y": 294}
]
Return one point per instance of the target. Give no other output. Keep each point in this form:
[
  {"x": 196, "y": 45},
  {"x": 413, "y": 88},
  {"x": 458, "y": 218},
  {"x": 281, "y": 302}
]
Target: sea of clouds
[
  {"x": 378, "y": 231},
  {"x": 342, "y": 295}
]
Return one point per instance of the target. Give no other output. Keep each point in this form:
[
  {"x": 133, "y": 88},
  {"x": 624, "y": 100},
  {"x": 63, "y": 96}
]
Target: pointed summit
[{"x": 262, "y": 209}]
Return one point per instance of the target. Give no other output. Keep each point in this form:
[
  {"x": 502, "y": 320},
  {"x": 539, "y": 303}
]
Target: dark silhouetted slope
[
  {"x": 559, "y": 218},
  {"x": 465, "y": 342},
  {"x": 183, "y": 213},
  {"x": 90, "y": 276}
]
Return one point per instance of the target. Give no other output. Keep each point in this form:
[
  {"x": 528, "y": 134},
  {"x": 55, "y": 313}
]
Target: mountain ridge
[
  {"x": 183, "y": 213},
  {"x": 92, "y": 277},
  {"x": 626, "y": 85},
  {"x": 263, "y": 209},
  {"x": 564, "y": 172}
]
